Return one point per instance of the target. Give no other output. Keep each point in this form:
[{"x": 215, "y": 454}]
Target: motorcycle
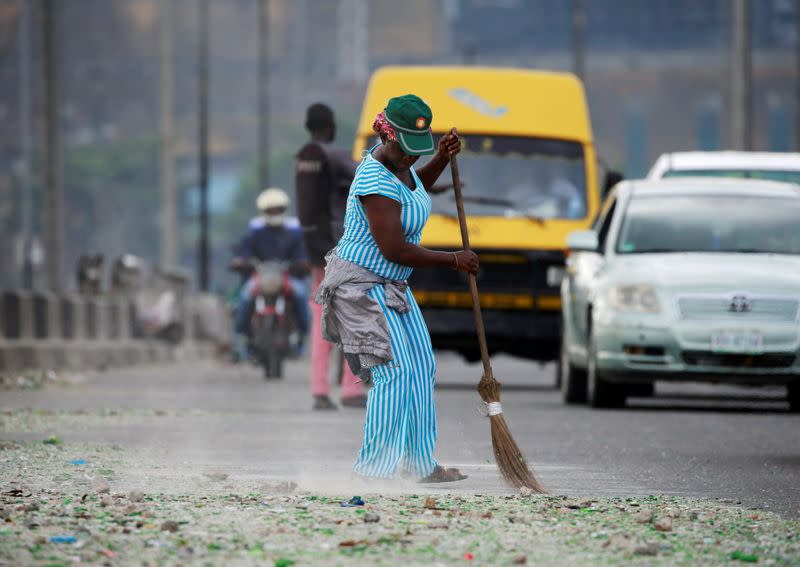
[{"x": 274, "y": 328}]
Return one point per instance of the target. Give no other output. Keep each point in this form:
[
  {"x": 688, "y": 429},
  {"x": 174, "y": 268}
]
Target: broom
[{"x": 510, "y": 461}]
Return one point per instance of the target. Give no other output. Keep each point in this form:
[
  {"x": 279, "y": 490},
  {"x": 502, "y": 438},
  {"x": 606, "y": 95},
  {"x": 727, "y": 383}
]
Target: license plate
[{"x": 749, "y": 342}]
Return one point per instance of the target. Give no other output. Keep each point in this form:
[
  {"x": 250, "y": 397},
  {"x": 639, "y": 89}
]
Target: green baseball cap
[{"x": 411, "y": 118}]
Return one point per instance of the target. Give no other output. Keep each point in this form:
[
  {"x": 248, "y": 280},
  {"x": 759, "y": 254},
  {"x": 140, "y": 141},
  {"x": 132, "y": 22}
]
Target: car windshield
[
  {"x": 516, "y": 176},
  {"x": 710, "y": 223},
  {"x": 770, "y": 175}
]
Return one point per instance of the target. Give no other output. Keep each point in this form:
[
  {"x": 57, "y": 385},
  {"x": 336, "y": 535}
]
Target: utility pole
[
  {"x": 469, "y": 53},
  {"x": 352, "y": 41},
  {"x": 299, "y": 52},
  {"x": 579, "y": 39},
  {"x": 447, "y": 15},
  {"x": 797, "y": 75},
  {"x": 54, "y": 199},
  {"x": 169, "y": 216},
  {"x": 263, "y": 94},
  {"x": 26, "y": 187},
  {"x": 202, "y": 109},
  {"x": 741, "y": 76}
]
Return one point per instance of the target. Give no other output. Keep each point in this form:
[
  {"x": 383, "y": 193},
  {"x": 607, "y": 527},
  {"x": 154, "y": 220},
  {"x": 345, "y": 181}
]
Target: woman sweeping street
[{"x": 367, "y": 305}]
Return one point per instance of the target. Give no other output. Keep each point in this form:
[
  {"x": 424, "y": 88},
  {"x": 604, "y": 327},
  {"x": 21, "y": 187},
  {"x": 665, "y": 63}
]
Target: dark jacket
[
  {"x": 283, "y": 243},
  {"x": 322, "y": 181}
]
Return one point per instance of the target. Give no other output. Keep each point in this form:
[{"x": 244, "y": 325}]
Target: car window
[{"x": 710, "y": 223}]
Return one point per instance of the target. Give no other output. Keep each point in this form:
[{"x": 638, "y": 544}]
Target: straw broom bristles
[
  {"x": 510, "y": 461},
  {"x": 512, "y": 464}
]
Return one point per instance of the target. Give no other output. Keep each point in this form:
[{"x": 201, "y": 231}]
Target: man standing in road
[{"x": 322, "y": 182}]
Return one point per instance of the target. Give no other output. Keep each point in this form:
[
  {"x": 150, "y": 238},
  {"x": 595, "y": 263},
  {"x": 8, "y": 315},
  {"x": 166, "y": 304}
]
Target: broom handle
[{"x": 473, "y": 284}]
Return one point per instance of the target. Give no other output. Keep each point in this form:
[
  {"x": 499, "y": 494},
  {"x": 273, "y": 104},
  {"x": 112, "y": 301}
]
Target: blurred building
[
  {"x": 656, "y": 74},
  {"x": 503, "y": 26}
]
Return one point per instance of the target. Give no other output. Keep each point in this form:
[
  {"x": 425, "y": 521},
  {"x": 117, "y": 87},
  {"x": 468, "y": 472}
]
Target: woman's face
[{"x": 396, "y": 156}]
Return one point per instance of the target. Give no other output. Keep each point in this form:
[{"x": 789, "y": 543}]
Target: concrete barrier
[
  {"x": 68, "y": 314},
  {"x": 136, "y": 329},
  {"x": 113, "y": 321},
  {"x": 101, "y": 308},
  {"x": 18, "y": 315},
  {"x": 41, "y": 321},
  {"x": 55, "y": 327},
  {"x": 45, "y": 331},
  {"x": 11, "y": 316},
  {"x": 18, "y": 330},
  {"x": 124, "y": 318},
  {"x": 212, "y": 319},
  {"x": 91, "y": 326}
]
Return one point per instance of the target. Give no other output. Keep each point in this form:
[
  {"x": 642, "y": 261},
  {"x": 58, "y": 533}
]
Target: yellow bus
[{"x": 529, "y": 171}]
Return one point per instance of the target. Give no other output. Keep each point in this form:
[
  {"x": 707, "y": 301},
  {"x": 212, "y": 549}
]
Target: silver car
[{"x": 686, "y": 279}]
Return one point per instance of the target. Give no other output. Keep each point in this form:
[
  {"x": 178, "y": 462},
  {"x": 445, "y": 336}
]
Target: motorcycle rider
[{"x": 273, "y": 236}]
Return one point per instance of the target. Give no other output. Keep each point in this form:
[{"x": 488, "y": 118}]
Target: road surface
[{"x": 738, "y": 445}]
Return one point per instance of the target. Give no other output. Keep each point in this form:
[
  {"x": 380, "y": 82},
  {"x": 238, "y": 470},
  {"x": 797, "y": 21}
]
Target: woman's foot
[{"x": 441, "y": 474}]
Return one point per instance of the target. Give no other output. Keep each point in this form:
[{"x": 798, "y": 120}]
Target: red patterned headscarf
[{"x": 382, "y": 126}]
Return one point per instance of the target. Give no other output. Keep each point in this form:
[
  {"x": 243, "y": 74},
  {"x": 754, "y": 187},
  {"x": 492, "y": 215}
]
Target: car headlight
[
  {"x": 554, "y": 276},
  {"x": 635, "y": 299}
]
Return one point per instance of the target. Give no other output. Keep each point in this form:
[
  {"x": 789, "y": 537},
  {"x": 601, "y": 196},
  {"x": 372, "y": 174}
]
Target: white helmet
[{"x": 273, "y": 198}]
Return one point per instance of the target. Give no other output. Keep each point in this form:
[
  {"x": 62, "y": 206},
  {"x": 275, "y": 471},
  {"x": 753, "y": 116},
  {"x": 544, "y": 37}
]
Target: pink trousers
[{"x": 321, "y": 353}]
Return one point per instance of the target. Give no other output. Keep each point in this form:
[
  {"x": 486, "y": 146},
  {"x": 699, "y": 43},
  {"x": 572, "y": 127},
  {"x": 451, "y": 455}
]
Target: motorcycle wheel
[
  {"x": 273, "y": 367},
  {"x": 268, "y": 346}
]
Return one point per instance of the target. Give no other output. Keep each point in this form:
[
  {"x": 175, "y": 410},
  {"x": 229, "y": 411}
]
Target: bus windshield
[
  {"x": 515, "y": 176},
  {"x": 518, "y": 176}
]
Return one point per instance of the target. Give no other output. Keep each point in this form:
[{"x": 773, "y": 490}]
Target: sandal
[{"x": 441, "y": 474}]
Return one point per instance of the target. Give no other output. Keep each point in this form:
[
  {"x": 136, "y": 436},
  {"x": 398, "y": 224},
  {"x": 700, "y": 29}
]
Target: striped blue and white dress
[{"x": 400, "y": 425}]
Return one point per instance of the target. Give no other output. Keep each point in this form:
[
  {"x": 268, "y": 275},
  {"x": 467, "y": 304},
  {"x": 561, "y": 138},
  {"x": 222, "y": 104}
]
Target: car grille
[
  {"x": 770, "y": 360},
  {"x": 721, "y": 308}
]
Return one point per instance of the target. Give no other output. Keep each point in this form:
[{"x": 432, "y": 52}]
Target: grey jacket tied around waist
[{"x": 354, "y": 320}]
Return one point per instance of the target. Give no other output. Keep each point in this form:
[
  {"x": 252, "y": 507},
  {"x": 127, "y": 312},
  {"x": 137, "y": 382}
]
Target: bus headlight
[{"x": 636, "y": 298}]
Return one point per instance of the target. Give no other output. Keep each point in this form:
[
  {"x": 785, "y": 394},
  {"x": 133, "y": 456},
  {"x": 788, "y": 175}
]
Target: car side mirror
[{"x": 583, "y": 241}]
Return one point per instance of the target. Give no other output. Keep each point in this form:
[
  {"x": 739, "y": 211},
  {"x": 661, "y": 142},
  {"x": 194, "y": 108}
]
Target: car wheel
[
  {"x": 557, "y": 376},
  {"x": 573, "y": 380},
  {"x": 794, "y": 397},
  {"x": 600, "y": 393}
]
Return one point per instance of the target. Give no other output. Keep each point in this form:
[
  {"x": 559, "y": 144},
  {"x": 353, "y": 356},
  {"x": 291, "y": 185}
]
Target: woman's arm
[
  {"x": 449, "y": 145},
  {"x": 386, "y": 227}
]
